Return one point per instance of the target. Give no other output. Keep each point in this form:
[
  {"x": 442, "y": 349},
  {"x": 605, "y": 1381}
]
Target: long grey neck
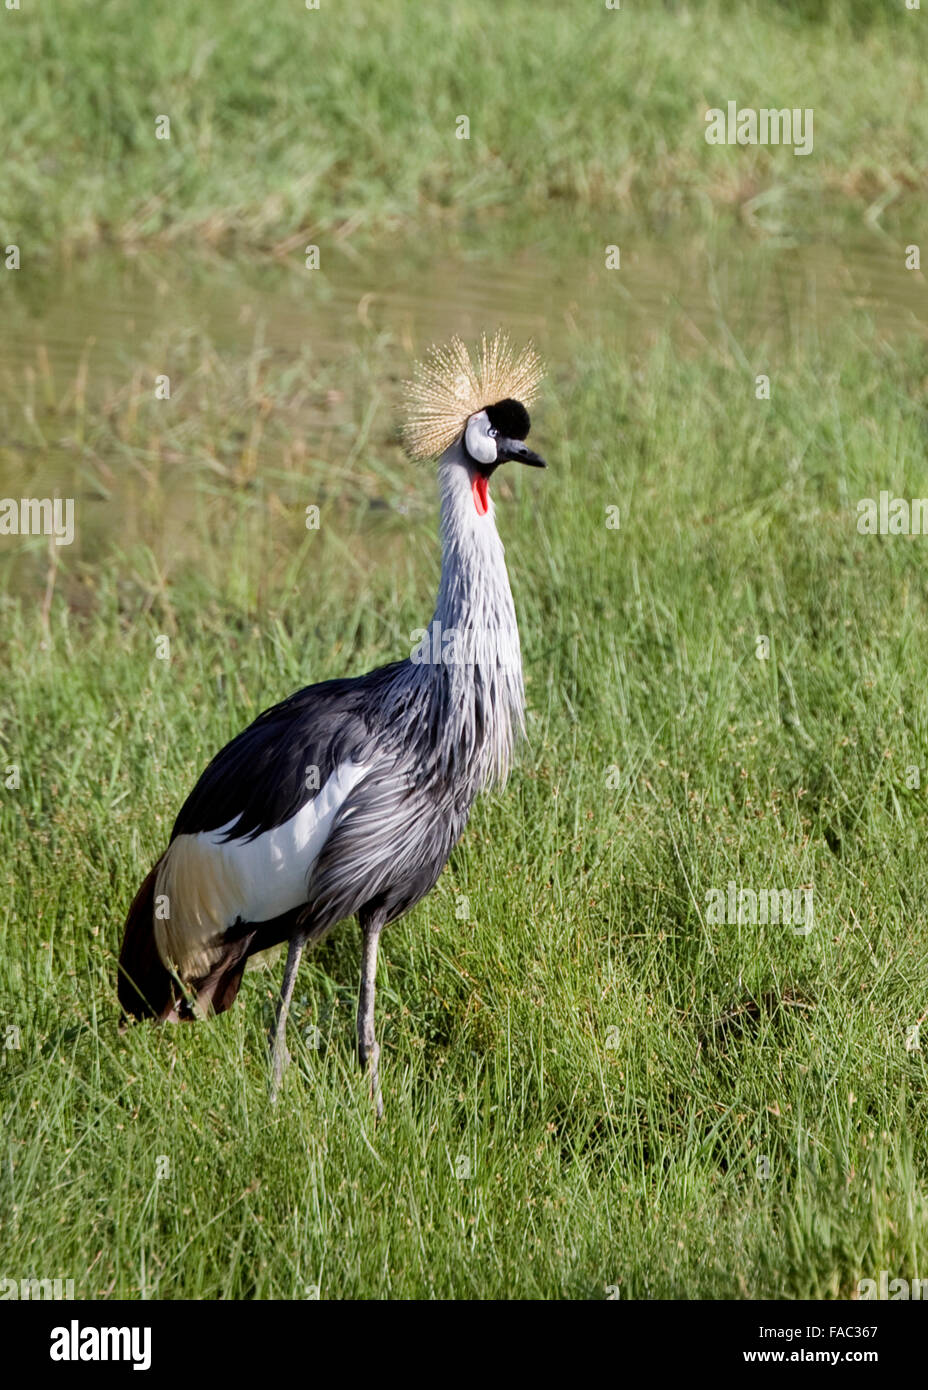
[{"x": 477, "y": 689}]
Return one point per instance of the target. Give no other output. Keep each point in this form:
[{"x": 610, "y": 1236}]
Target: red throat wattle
[{"x": 481, "y": 495}]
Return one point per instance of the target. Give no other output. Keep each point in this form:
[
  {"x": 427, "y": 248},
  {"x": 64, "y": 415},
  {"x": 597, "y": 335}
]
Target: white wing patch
[{"x": 207, "y": 883}]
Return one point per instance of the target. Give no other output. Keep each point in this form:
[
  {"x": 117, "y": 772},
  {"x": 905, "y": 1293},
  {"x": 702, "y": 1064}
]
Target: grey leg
[
  {"x": 368, "y": 1050},
  {"x": 280, "y": 1055}
]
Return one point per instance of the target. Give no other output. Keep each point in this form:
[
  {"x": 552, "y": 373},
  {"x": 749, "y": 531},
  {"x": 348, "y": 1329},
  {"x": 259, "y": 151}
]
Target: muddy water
[
  {"x": 78, "y": 334},
  {"x": 120, "y": 302}
]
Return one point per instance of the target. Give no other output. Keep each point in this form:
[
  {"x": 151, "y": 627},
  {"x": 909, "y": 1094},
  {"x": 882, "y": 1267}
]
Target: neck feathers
[{"x": 478, "y": 670}]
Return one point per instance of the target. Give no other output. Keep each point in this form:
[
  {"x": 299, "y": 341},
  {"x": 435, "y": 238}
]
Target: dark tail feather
[
  {"x": 216, "y": 991},
  {"x": 146, "y": 988}
]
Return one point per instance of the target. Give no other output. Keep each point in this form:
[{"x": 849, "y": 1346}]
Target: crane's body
[{"x": 347, "y": 798}]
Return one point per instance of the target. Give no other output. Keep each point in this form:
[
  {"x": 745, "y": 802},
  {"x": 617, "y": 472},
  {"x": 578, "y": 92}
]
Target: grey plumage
[
  {"x": 439, "y": 731},
  {"x": 260, "y": 853}
]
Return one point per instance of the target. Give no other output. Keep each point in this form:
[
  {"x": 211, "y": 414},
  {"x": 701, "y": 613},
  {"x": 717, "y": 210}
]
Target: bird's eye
[{"x": 492, "y": 432}]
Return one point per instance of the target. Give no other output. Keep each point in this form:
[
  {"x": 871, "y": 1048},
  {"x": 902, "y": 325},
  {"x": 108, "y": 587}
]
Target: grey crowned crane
[{"x": 348, "y": 798}]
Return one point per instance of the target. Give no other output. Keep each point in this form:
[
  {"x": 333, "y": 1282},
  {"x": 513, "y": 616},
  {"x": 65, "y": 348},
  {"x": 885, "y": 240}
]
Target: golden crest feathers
[{"x": 448, "y": 386}]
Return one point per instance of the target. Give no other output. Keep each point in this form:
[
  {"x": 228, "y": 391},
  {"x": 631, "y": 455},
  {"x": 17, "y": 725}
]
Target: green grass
[
  {"x": 588, "y": 1084},
  {"x": 559, "y": 1014},
  {"x": 339, "y": 124}
]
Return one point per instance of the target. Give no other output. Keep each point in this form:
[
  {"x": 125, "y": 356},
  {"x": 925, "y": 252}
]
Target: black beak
[{"x": 519, "y": 452}]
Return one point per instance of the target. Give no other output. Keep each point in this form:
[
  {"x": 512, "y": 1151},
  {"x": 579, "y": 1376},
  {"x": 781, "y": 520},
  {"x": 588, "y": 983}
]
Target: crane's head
[
  {"x": 479, "y": 404},
  {"x": 493, "y": 436}
]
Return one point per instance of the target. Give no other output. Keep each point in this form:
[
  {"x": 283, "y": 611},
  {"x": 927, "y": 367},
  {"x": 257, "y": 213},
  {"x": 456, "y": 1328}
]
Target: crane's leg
[
  {"x": 280, "y": 1055},
  {"x": 368, "y": 1050}
]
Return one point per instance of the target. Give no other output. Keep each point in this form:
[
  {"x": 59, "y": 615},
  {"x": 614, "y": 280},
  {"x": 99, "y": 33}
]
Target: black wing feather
[{"x": 261, "y": 777}]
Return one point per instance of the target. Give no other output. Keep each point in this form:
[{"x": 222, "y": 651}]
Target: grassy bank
[
  {"x": 339, "y": 123},
  {"x": 588, "y": 1082}
]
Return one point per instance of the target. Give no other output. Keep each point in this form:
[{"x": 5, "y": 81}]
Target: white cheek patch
[{"x": 478, "y": 440}]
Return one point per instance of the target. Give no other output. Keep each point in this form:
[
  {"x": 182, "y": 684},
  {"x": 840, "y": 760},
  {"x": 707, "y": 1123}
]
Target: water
[
  {"x": 76, "y": 337},
  {"x": 117, "y": 302}
]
